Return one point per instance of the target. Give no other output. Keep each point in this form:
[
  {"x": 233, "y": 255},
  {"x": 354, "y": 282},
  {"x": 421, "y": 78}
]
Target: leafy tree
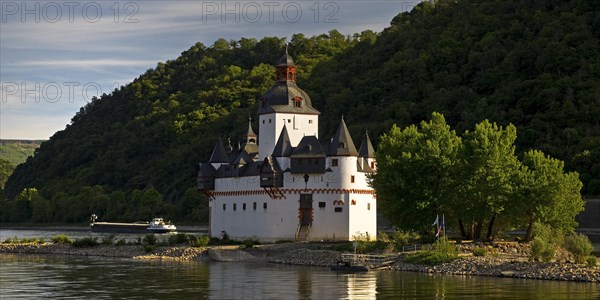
[
  {"x": 488, "y": 176},
  {"x": 415, "y": 173},
  {"x": 548, "y": 195}
]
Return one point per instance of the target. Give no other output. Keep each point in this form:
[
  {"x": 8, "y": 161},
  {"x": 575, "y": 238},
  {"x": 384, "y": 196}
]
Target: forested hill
[{"x": 535, "y": 65}]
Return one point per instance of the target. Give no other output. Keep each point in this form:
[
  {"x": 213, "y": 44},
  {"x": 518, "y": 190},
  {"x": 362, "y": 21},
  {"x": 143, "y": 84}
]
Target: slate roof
[
  {"x": 342, "y": 144},
  {"x": 283, "y": 147},
  {"x": 280, "y": 98},
  {"x": 219, "y": 154},
  {"x": 309, "y": 146},
  {"x": 366, "y": 147}
]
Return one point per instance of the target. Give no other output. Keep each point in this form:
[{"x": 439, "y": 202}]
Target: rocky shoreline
[{"x": 508, "y": 260}]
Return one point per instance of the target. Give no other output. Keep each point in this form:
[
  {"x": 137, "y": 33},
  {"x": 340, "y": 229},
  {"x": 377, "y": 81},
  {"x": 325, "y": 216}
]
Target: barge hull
[{"x": 119, "y": 227}]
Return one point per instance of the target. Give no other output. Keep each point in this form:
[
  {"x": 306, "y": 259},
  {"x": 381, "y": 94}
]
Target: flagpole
[{"x": 444, "y": 225}]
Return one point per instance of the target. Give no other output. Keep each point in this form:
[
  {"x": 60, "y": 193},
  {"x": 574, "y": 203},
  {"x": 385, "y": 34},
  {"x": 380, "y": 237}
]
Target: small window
[
  {"x": 334, "y": 162},
  {"x": 254, "y": 205},
  {"x": 321, "y": 204},
  {"x": 269, "y": 120},
  {"x": 368, "y": 206},
  {"x": 263, "y": 121},
  {"x": 352, "y": 179},
  {"x": 224, "y": 206},
  {"x": 234, "y": 206},
  {"x": 289, "y": 120},
  {"x": 244, "y": 206},
  {"x": 338, "y": 209},
  {"x": 341, "y": 145},
  {"x": 297, "y": 102},
  {"x": 372, "y": 165},
  {"x": 265, "y": 205},
  {"x": 309, "y": 121}
]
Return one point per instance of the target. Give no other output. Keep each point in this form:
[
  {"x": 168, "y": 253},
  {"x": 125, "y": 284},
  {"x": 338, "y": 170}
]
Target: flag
[{"x": 437, "y": 224}]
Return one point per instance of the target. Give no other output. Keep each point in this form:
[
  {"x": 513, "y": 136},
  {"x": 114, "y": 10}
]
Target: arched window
[{"x": 290, "y": 76}]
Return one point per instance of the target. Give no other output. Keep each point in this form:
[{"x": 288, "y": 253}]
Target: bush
[
  {"x": 86, "y": 242},
  {"x": 179, "y": 238},
  {"x": 591, "y": 261},
  {"x": 149, "y": 239},
  {"x": 198, "y": 241},
  {"x": 249, "y": 243},
  {"x": 480, "y": 251},
  {"x": 442, "y": 252},
  {"x": 542, "y": 250},
  {"x": 149, "y": 248},
  {"x": 109, "y": 239},
  {"x": 579, "y": 245},
  {"x": 545, "y": 243},
  {"x": 12, "y": 240},
  {"x": 61, "y": 239},
  {"x": 121, "y": 242}
]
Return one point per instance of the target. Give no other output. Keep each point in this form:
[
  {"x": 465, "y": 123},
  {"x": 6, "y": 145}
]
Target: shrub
[
  {"x": 121, "y": 242},
  {"x": 542, "y": 250},
  {"x": 109, "y": 239},
  {"x": 198, "y": 241},
  {"x": 442, "y": 252},
  {"x": 61, "y": 239},
  {"x": 579, "y": 245},
  {"x": 86, "y": 242},
  {"x": 12, "y": 240},
  {"x": 176, "y": 239},
  {"x": 591, "y": 261},
  {"x": 401, "y": 238},
  {"x": 249, "y": 243},
  {"x": 545, "y": 243},
  {"x": 150, "y": 239},
  {"x": 480, "y": 251},
  {"x": 149, "y": 248}
]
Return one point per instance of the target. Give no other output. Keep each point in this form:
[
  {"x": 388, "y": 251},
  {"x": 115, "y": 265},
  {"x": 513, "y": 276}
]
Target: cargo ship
[{"x": 157, "y": 225}]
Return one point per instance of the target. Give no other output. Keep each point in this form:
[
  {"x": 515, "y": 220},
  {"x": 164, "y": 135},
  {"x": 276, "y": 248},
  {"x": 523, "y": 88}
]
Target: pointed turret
[
  {"x": 250, "y": 135},
  {"x": 342, "y": 144},
  {"x": 219, "y": 154},
  {"x": 283, "y": 148},
  {"x": 366, "y": 147}
]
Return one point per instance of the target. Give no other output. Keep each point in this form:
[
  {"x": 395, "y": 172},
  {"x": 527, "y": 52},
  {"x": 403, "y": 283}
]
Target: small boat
[
  {"x": 347, "y": 267},
  {"x": 158, "y": 225}
]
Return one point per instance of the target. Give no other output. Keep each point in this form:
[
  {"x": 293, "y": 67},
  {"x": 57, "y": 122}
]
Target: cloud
[{"x": 121, "y": 45}]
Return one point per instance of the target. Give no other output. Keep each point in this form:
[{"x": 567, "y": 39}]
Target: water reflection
[{"x": 35, "y": 277}]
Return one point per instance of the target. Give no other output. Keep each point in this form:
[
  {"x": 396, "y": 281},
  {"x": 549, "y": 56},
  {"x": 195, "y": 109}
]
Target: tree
[
  {"x": 6, "y": 168},
  {"x": 416, "y": 170},
  {"x": 547, "y": 194},
  {"x": 488, "y": 175}
]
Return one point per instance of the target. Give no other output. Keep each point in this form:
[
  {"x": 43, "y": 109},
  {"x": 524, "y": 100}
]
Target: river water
[{"x": 26, "y": 276}]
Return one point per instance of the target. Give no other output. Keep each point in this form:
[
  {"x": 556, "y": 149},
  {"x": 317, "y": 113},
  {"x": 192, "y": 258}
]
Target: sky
[{"x": 55, "y": 56}]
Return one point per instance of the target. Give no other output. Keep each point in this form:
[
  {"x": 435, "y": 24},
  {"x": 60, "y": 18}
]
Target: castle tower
[{"x": 285, "y": 104}]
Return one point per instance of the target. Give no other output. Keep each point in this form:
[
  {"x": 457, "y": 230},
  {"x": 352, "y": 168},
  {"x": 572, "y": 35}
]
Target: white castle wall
[
  {"x": 280, "y": 219},
  {"x": 270, "y": 126}
]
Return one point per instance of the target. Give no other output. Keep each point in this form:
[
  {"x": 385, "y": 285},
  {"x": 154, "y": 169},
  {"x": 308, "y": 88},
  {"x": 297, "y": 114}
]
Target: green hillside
[
  {"x": 535, "y": 65},
  {"x": 17, "y": 151}
]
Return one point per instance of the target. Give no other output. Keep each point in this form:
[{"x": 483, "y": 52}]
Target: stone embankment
[
  {"x": 507, "y": 259},
  {"x": 504, "y": 260},
  {"x": 502, "y": 267}
]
